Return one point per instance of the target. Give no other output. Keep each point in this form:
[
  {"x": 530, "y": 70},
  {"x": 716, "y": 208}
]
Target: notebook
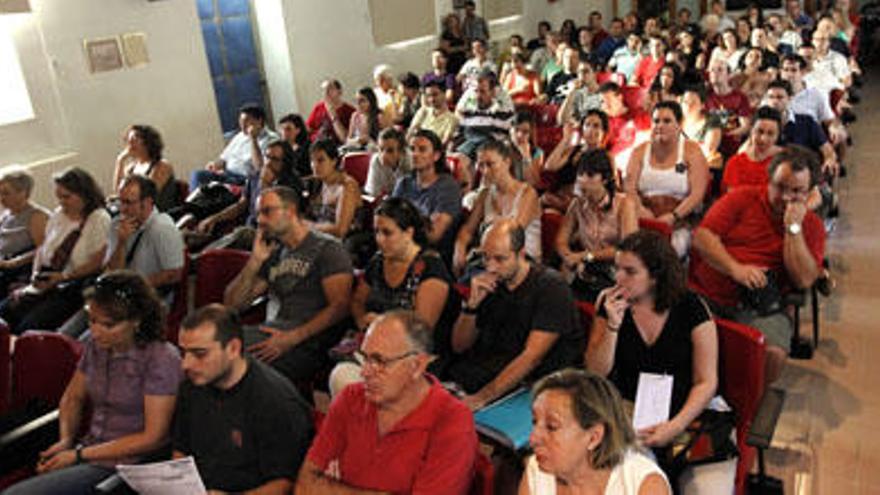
[{"x": 508, "y": 420}]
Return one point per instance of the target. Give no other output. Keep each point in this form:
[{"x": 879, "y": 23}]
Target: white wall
[{"x": 86, "y": 113}]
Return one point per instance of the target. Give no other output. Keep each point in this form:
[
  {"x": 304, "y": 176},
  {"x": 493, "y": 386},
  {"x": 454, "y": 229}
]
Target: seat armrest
[
  {"x": 112, "y": 485},
  {"x": 795, "y": 298},
  {"x": 21, "y": 445},
  {"x": 764, "y": 425}
]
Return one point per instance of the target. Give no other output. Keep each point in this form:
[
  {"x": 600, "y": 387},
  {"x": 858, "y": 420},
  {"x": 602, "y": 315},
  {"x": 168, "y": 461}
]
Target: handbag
[{"x": 706, "y": 440}]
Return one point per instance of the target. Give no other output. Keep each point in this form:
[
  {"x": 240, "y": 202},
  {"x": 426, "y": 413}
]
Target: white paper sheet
[
  {"x": 653, "y": 400},
  {"x": 177, "y": 477}
]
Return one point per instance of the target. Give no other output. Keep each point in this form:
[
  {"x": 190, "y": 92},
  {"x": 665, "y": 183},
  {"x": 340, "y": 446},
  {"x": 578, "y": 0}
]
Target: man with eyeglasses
[
  {"x": 244, "y": 424},
  {"x": 518, "y": 323},
  {"x": 399, "y": 431},
  {"x": 307, "y": 276},
  {"x": 756, "y": 243}
]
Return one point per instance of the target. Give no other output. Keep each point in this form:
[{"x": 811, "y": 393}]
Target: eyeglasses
[{"x": 379, "y": 362}]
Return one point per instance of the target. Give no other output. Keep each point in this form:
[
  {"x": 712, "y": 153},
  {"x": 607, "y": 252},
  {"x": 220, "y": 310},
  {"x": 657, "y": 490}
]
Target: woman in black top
[
  {"x": 650, "y": 323},
  {"x": 452, "y": 40}
]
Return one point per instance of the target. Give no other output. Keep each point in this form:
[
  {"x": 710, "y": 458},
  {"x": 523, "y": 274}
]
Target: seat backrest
[
  {"x": 484, "y": 476},
  {"x": 657, "y": 226},
  {"x": 42, "y": 365},
  {"x": 551, "y": 221},
  {"x": 215, "y": 269},
  {"x": 357, "y": 165},
  {"x": 741, "y": 353},
  {"x": 180, "y": 303},
  {"x": 5, "y": 368}
]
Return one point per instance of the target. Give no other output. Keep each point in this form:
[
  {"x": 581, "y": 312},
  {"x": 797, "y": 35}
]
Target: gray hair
[
  {"x": 417, "y": 330},
  {"x": 18, "y": 177}
]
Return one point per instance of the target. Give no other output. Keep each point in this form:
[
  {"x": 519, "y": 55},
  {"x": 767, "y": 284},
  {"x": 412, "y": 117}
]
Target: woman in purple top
[{"x": 128, "y": 374}]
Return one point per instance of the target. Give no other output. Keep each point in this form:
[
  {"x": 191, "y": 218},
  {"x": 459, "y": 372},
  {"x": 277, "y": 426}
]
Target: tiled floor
[{"x": 828, "y": 439}]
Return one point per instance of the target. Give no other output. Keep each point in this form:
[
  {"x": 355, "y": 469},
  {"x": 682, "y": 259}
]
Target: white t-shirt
[
  {"x": 94, "y": 237},
  {"x": 625, "y": 479}
]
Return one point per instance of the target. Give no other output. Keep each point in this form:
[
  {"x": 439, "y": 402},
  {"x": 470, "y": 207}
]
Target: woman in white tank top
[
  {"x": 503, "y": 197},
  {"x": 583, "y": 441},
  {"x": 667, "y": 177}
]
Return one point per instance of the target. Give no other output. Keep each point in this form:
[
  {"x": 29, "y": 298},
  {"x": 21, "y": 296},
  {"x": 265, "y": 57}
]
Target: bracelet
[
  {"x": 79, "y": 456},
  {"x": 467, "y": 309}
]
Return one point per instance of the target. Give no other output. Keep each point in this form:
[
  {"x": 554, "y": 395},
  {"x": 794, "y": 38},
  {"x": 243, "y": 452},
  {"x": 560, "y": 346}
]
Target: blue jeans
[
  {"x": 73, "y": 480},
  {"x": 202, "y": 177}
]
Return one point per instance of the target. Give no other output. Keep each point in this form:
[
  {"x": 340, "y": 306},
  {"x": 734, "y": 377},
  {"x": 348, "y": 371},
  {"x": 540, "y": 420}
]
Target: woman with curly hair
[{"x": 142, "y": 155}]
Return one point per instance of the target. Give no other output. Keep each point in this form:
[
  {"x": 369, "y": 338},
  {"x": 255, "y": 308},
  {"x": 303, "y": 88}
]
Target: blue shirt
[
  {"x": 608, "y": 47},
  {"x": 803, "y": 130}
]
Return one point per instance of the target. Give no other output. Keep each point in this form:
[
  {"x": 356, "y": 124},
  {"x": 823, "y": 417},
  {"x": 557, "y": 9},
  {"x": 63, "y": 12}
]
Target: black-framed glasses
[{"x": 379, "y": 362}]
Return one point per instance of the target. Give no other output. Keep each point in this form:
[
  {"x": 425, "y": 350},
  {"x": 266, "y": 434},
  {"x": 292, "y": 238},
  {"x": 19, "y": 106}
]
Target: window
[
  {"x": 499, "y": 9},
  {"x": 15, "y": 101},
  {"x": 402, "y": 20}
]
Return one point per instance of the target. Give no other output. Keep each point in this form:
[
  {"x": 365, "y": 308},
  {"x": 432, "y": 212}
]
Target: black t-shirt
[
  {"x": 671, "y": 354},
  {"x": 543, "y": 302},
  {"x": 427, "y": 265},
  {"x": 241, "y": 438}
]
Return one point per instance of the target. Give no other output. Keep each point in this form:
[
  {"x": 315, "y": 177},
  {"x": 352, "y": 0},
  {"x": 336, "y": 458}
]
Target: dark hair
[
  {"x": 594, "y": 401},
  {"x": 373, "y": 113},
  {"x": 676, "y": 78},
  {"x": 597, "y": 162},
  {"x": 672, "y": 106},
  {"x": 328, "y": 146},
  {"x": 302, "y": 138},
  {"x": 254, "y": 111},
  {"x": 441, "y": 51},
  {"x": 125, "y": 295},
  {"x": 81, "y": 183},
  {"x": 435, "y": 83},
  {"x": 227, "y": 325},
  {"x": 405, "y": 215},
  {"x": 393, "y": 134},
  {"x": 799, "y": 158},
  {"x": 609, "y": 87},
  {"x": 489, "y": 76},
  {"x": 440, "y": 165},
  {"x": 335, "y": 83},
  {"x": 288, "y": 196},
  {"x": 289, "y": 175},
  {"x": 603, "y": 118},
  {"x": 781, "y": 84},
  {"x": 663, "y": 266},
  {"x": 152, "y": 141},
  {"x": 410, "y": 81},
  {"x": 768, "y": 113},
  {"x": 699, "y": 89},
  {"x": 794, "y": 57},
  {"x": 146, "y": 186},
  {"x": 523, "y": 118},
  {"x": 545, "y": 24},
  {"x": 498, "y": 146}
]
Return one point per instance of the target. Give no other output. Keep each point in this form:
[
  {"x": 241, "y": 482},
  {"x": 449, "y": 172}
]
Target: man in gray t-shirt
[{"x": 307, "y": 276}]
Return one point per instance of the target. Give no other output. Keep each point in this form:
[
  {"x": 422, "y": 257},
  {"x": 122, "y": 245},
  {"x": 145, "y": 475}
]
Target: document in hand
[
  {"x": 508, "y": 420},
  {"x": 653, "y": 400},
  {"x": 177, "y": 477}
]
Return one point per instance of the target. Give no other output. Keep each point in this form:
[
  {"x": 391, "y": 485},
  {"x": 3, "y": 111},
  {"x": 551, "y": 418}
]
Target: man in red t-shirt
[
  {"x": 399, "y": 431},
  {"x": 624, "y": 123},
  {"x": 730, "y": 105},
  {"x": 752, "y": 232},
  {"x": 329, "y": 117}
]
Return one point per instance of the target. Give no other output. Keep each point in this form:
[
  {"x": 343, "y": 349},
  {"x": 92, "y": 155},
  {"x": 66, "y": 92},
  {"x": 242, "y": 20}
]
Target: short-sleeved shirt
[
  {"x": 542, "y": 302},
  {"x": 93, "y": 237},
  {"x": 381, "y": 179},
  {"x": 584, "y": 101},
  {"x": 671, "y": 354},
  {"x": 752, "y": 234},
  {"x": 741, "y": 170},
  {"x": 431, "y": 450},
  {"x": 442, "y": 196},
  {"x": 623, "y": 130},
  {"x": 243, "y": 437},
  {"x": 295, "y": 274},
  {"x": 729, "y": 108},
  {"x": 321, "y": 126},
  {"x": 443, "y": 124},
  {"x": 805, "y": 131},
  {"x": 238, "y": 154},
  {"x": 810, "y": 101},
  {"x": 117, "y": 383},
  {"x": 159, "y": 245},
  {"x": 447, "y": 80}
]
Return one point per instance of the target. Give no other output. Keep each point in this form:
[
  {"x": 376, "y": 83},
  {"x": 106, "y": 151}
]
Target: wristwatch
[
  {"x": 794, "y": 228},
  {"x": 79, "y": 456}
]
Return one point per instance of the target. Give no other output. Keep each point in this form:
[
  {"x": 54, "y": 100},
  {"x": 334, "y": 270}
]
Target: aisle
[{"x": 828, "y": 441}]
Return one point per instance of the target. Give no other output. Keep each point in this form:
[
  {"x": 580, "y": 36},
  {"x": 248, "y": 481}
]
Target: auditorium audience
[
  {"x": 700, "y": 126},
  {"x": 435, "y": 115},
  {"x": 453, "y": 42},
  {"x": 529, "y": 165},
  {"x": 519, "y": 321},
  {"x": 22, "y": 227},
  {"x": 72, "y": 252},
  {"x": 473, "y": 26},
  {"x": 399, "y": 431},
  {"x": 332, "y": 205},
  {"x": 329, "y": 117},
  {"x": 244, "y": 424},
  {"x": 756, "y": 243},
  {"x": 583, "y": 441},
  {"x": 484, "y": 112},
  {"x": 649, "y": 322},
  {"x": 143, "y": 155},
  {"x": 127, "y": 377},
  {"x": 478, "y": 64},
  {"x": 307, "y": 276},
  {"x": 749, "y": 167}
]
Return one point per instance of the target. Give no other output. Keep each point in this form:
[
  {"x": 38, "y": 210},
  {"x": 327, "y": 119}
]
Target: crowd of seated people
[{"x": 689, "y": 167}]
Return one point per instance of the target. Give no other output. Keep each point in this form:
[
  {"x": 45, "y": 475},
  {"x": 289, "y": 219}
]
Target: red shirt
[
  {"x": 743, "y": 171},
  {"x": 729, "y": 108},
  {"x": 319, "y": 124},
  {"x": 647, "y": 70},
  {"x": 622, "y": 129},
  {"x": 753, "y": 235},
  {"x": 430, "y": 451}
]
